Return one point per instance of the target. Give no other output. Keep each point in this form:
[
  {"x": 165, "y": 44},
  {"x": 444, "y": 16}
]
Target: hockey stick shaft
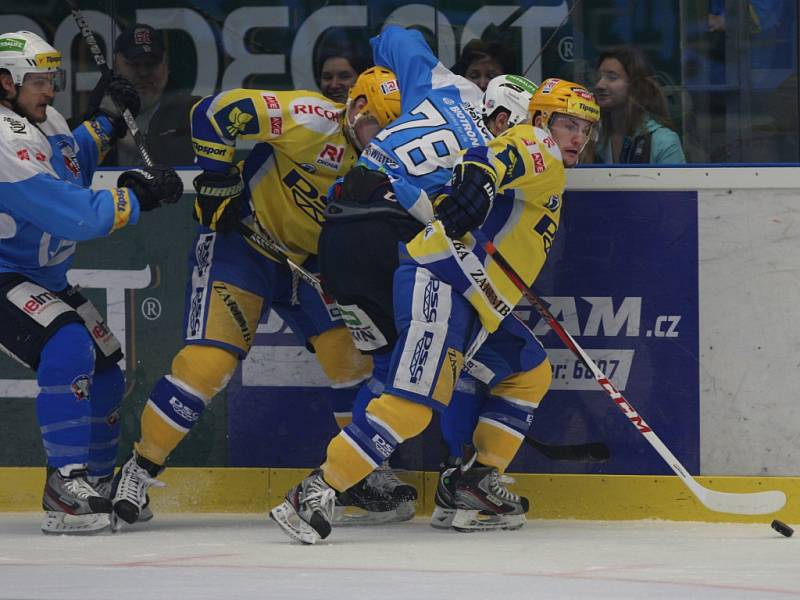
[
  {"x": 589, "y": 452},
  {"x": 100, "y": 60},
  {"x": 269, "y": 248},
  {"x": 735, "y": 503}
]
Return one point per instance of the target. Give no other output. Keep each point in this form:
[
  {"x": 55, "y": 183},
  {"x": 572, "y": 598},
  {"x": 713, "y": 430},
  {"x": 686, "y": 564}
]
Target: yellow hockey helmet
[
  {"x": 379, "y": 86},
  {"x": 564, "y": 97}
]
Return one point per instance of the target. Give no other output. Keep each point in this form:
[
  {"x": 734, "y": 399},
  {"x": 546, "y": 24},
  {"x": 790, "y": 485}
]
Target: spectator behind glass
[
  {"x": 338, "y": 71},
  {"x": 140, "y": 55},
  {"x": 634, "y": 126},
  {"x": 481, "y": 62}
]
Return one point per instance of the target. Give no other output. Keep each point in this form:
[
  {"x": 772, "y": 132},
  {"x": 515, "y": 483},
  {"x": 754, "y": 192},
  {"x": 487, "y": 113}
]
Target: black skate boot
[
  {"x": 381, "y": 497},
  {"x": 307, "y": 512},
  {"x": 445, "y": 499},
  {"x": 483, "y": 503},
  {"x": 130, "y": 488}
]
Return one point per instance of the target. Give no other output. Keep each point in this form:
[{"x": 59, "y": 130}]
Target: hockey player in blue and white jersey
[
  {"x": 46, "y": 206},
  {"x": 441, "y": 118}
]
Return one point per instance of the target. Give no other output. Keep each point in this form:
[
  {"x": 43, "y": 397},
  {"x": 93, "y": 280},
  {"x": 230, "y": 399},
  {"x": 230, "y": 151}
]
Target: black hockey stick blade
[{"x": 589, "y": 452}]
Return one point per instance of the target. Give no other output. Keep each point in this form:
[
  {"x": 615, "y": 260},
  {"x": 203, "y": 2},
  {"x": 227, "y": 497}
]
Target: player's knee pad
[
  {"x": 203, "y": 371},
  {"x": 527, "y": 387},
  {"x": 108, "y": 389},
  {"x": 340, "y": 360},
  {"x": 63, "y": 408},
  {"x": 178, "y": 400}
]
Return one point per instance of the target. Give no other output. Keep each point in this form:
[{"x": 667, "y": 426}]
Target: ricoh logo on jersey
[
  {"x": 331, "y": 156},
  {"x": 315, "y": 114}
]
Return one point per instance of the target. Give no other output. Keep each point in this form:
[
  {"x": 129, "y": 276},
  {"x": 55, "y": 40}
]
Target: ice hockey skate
[
  {"x": 445, "y": 499},
  {"x": 72, "y": 505},
  {"x": 483, "y": 503},
  {"x": 129, "y": 490},
  {"x": 307, "y": 512},
  {"x": 381, "y": 497},
  {"x": 105, "y": 487}
]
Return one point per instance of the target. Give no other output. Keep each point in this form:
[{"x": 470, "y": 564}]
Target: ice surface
[{"x": 204, "y": 556}]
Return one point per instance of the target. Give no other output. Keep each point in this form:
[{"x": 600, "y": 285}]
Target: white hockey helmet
[
  {"x": 23, "y": 52},
  {"x": 509, "y": 92}
]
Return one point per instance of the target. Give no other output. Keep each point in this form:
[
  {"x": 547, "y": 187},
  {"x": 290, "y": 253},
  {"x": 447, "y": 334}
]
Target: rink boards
[{"x": 679, "y": 287}]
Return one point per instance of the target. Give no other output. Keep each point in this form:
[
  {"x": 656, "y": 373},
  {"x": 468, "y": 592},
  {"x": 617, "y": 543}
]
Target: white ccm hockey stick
[{"x": 752, "y": 503}]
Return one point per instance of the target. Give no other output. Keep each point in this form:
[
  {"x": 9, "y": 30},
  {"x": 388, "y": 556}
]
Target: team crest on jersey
[
  {"x": 70, "y": 159},
  {"x": 553, "y": 202},
  {"x": 80, "y": 387},
  {"x": 331, "y": 156},
  {"x": 237, "y": 118},
  {"x": 238, "y": 122}
]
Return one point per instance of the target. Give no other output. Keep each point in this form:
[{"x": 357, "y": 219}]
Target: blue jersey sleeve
[
  {"x": 94, "y": 142},
  {"x": 406, "y": 52},
  {"x": 67, "y": 210}
]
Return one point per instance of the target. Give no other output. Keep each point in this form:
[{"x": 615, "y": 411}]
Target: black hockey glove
[
  {"x": 470, "y": 201},
  {"x": 153, "y": 185},
  {"x": 218, "y": 203},
  {"x": 110, "y": 97}
]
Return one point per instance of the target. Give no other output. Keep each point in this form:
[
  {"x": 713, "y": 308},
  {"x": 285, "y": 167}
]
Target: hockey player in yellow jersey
[
  {"x": 305, "y": 142},
  {"x": 453, "y": 310}
]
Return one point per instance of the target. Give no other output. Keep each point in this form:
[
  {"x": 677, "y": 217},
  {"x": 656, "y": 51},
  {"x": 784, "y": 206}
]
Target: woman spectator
[
  {"x": 635, "y": 126},
  {"x": 481, "y": 62},
  {"x": 338, "y": 70}
]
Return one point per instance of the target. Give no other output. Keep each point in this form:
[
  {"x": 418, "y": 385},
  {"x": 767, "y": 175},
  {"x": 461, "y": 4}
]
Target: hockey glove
[
  {"x": 218, "y": 203},
  {"x": 152, "y": 185},
  {"x": 470, "y": 201},
  {"x": 110, "y": 97}
]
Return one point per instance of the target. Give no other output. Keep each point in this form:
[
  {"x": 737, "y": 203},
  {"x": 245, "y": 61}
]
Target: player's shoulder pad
[{"x": 548, "y": 143}]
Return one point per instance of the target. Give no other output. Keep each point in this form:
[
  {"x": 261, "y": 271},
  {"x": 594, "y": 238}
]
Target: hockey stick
[
  {"x": 269, "y": 248},
  {"x": 754, "y": 503},
  {"x": 100, "y": 60},
  {"x": 589, "y": 452}
]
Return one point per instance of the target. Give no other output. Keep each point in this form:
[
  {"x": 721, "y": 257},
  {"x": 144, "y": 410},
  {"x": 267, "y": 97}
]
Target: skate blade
[
  {"x": 468, "y": 521},
  {"x": 442, "y": 518},
  {"x": 350, "y": 516},
  {"x": 292, "y": 525},
  {"x": 59, "y": 523}
]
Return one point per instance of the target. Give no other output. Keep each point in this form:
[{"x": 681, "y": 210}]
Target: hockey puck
[{"x": 782, "y": 528}]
